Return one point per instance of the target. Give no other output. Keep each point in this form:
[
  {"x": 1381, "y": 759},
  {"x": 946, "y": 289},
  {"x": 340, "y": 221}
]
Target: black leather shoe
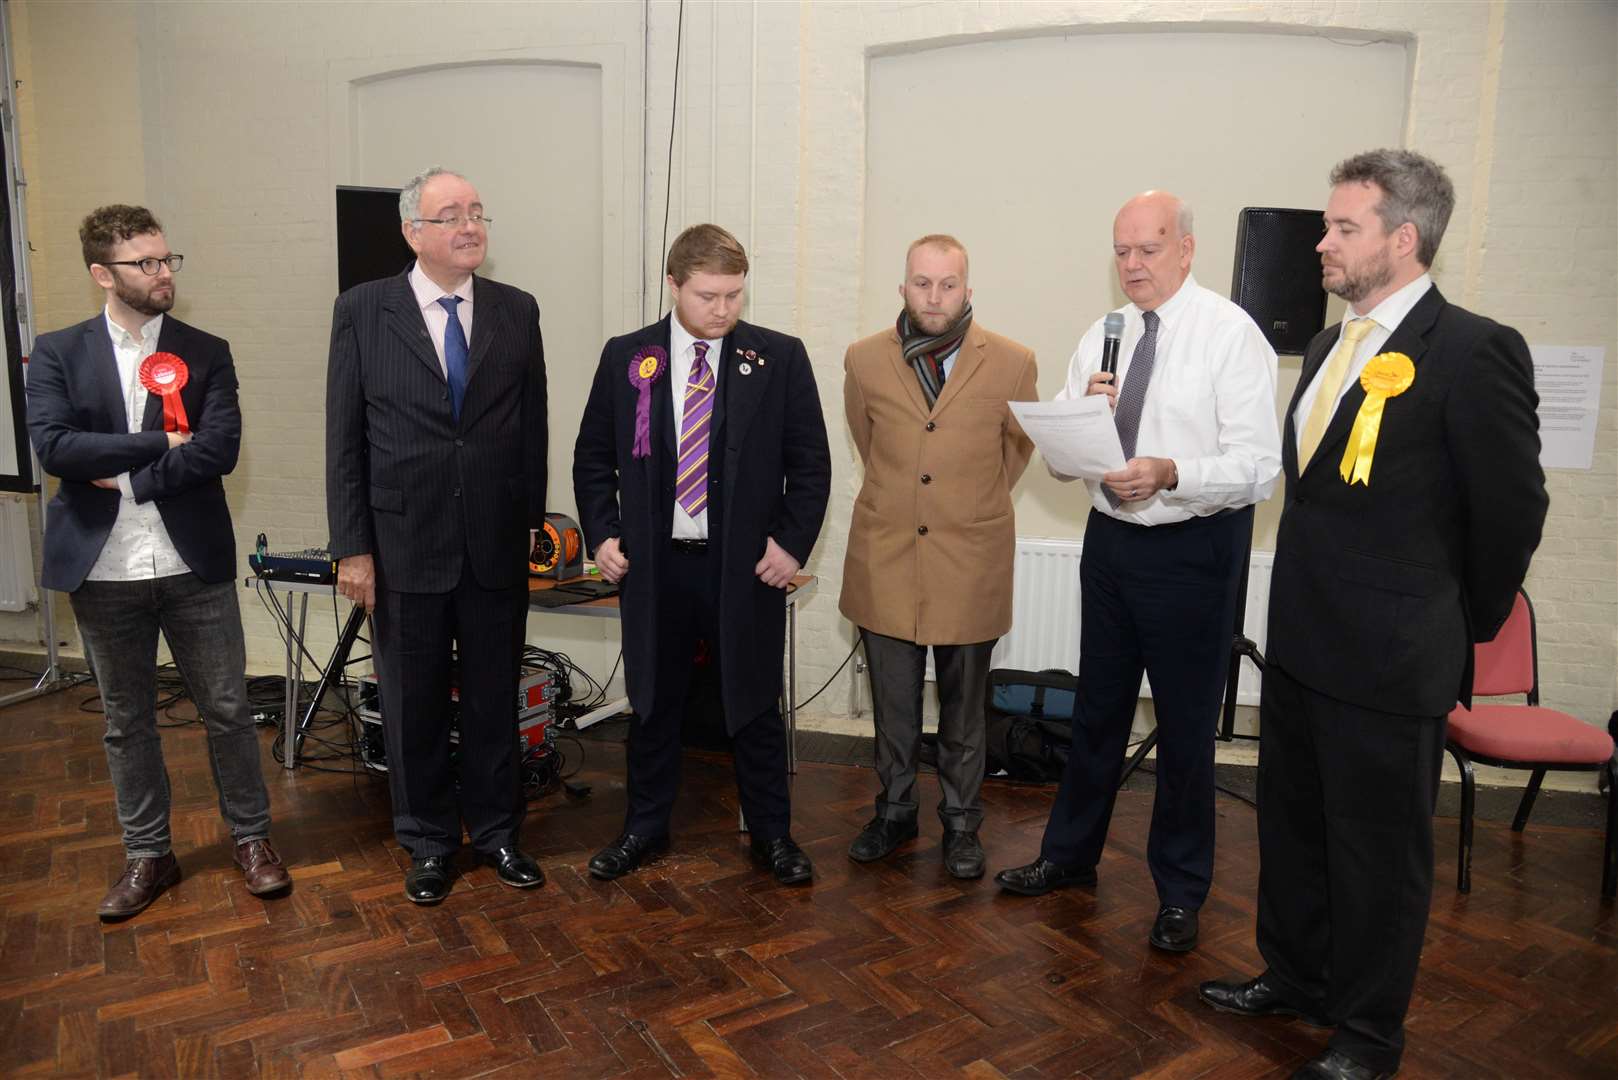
[
  {"x": 1175, "y": 930},
  {"x": 1041, "y": 876},
  {"x": 963, "y": 854},
  {"x": 516, "y": 869},
  {"x": 783, "y": 858},
  {"x": 427, "y": 880},
  {"x": 1256, "y": 997},
  {"x": 625, "y": 854},
  {"x": 879, "y": 837},
  {"x": 1336, "y": 1065}
]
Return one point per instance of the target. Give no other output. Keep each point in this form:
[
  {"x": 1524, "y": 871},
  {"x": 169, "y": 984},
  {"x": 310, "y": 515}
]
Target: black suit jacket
[
  {"x": 405, "y": 481},
  {"x": 771, "y": 479},
  {"x": 80, "y": 430},
  {"x": 1380, "y": 590}
]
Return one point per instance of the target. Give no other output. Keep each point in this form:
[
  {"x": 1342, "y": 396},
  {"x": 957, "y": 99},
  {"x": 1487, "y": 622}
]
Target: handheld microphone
[{"x": 1113, "y": 327}]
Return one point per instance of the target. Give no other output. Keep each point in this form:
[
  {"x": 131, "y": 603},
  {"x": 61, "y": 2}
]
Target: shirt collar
[
  {"x": 427, "y": 291},
  {"x": 1169, "y": 309},
  {"x": 1392, "y": 311},
  {"x": 148, "y": 329},
  {"x": 681, "y": 340}
]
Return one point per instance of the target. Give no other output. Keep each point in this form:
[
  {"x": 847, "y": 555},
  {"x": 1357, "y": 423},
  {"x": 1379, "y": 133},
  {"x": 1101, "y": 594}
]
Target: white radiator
[
  {"x": 1045, "y": 611},
  {"x": 16, "y": 555}
]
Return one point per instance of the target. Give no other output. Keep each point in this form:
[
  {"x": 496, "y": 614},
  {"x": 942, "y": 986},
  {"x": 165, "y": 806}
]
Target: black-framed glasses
[
  {"x": 454, "y": 222},
  {"x": 149, "y": 266}
]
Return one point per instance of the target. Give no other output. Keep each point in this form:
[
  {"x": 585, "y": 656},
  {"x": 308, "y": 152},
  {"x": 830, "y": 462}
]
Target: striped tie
[{"x": 691, "y": 482}]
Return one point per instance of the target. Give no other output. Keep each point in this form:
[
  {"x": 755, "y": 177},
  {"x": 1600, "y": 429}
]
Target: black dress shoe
[
  {"x": 1256, "y": 997},
  {"x": 1041, "y": 876},
  {"x": 625, "y": 854},
  {"x": 427, "y": 880},
  {"x": 516, "y": 869},
  {"x": 963, "y": 854},
  {"x": 783, "y": 858},
  {"x": 879, "y": 837},
  {"x": 1336, "y": 1065},
  {"x": 1175, "y": 930}
]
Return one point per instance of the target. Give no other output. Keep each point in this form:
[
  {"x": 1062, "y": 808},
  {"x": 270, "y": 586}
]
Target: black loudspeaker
[
  {"x": 369, "y": 243},
  {"x": 1277, "y": 275}
]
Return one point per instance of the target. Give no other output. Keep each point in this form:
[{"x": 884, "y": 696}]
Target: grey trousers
[
  {"x": 119, "y": 622},
  {"x": 898, "y": 668}
]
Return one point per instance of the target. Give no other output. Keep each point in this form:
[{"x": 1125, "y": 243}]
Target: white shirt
[
  {"x": 138, "y": 547},
  {"x": 1387, "y": 316},
  {"x": 682, "y": 354},
  {"x": 427, "y": 295},
  {"x": 1210, "y": 406}
]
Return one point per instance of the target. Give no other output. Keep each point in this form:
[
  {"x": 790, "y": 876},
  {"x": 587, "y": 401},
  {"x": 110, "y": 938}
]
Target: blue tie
[{"x": 454, "y": 354}]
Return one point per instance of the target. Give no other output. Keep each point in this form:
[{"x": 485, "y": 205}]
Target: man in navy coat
[
  {"x": 136, "y": 414},
  {"x": 701, "y": 474}
]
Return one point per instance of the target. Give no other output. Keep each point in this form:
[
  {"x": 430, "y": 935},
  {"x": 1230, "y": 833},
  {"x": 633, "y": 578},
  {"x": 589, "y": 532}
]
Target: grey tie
[{"x": 1132, "y": 398}]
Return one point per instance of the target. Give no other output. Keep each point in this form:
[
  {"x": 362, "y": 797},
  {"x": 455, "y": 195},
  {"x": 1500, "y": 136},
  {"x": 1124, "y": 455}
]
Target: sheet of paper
[
  {"x": 1076, "y": 437},
  {"x": 1568, "y": 379}
]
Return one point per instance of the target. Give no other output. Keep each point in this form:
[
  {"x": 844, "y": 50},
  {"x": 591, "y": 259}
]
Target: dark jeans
[{"x": 202, "y": 623}]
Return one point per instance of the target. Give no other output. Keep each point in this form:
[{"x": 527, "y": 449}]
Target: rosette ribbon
[
  {"x": 1386, "y": 375},
  {"x": 645, "y": 368},
  {"x": 165, "y": 375}
]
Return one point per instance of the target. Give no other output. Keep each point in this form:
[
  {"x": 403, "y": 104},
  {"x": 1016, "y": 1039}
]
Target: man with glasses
[
  {"x": 136, "y": 414},
  {"x": 435, "y": 479}
]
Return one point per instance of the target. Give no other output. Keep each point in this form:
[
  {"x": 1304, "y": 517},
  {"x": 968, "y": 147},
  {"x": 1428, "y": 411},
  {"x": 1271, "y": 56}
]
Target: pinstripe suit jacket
[{"x": 405, "y": 481}]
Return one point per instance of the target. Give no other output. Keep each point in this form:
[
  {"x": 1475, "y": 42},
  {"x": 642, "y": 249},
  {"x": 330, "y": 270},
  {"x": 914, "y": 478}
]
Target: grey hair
[
  {"x": 1414, "y": 189},
  {"x": 410, "y": 197},
  {"x": 1182, "y": 216}
]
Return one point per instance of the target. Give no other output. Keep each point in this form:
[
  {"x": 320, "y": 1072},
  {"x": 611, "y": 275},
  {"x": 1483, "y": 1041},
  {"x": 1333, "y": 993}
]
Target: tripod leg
[{"x": 332, "y": 671}]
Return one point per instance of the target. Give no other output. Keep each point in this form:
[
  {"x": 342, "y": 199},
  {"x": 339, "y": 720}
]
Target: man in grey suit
[{"x": 435, "y": 479}]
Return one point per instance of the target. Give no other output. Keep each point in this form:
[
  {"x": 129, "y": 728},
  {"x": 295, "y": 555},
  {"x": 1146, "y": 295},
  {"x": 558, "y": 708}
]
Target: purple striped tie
[{"x": 691, "y": 482}]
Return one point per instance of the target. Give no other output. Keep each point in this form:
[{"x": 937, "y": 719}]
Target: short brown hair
[
  {"x": 108, "y": 226},
  {"x": 708, "y": 248},
  {"x": 939, "y": 240}
]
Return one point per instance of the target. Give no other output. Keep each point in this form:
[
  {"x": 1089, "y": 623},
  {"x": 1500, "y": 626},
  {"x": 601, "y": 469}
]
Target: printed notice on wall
[{"x": 1568, "y": 379}]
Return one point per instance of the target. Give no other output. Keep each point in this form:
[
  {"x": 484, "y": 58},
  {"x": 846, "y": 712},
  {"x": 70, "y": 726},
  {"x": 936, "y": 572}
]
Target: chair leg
[
  {"x": 1529, "y": 794},
  {"x": 1609, "y": 847},
  {"x": 1463, "y": 874}
]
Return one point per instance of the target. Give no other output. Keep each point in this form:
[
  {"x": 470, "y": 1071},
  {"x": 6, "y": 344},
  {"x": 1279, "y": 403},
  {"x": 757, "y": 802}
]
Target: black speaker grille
[{"x": 1277, "y": 275}]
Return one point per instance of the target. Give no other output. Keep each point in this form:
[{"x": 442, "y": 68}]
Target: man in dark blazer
[
  {"x": 435, "y": 479},
  {"x": 139, "y": 537},
  {"x": 1414, "y": 502},
  {"x": 703, "y": 547}
]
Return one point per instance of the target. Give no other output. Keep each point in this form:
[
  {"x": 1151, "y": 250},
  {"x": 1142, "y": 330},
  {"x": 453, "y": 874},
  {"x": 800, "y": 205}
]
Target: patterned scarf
[{"x": 925, "y": 353}]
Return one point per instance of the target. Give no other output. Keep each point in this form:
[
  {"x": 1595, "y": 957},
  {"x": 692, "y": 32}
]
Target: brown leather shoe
[
  {"x": 262, "y": 868},
  {"x": 142, "y": 880}
]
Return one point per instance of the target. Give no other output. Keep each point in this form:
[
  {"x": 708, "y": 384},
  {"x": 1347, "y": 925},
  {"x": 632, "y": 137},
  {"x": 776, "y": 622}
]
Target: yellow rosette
[{"x": 1387, "y": 375}]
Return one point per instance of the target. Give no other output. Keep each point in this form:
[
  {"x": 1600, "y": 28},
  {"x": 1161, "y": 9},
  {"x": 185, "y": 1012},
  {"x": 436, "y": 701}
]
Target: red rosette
[{"x": 165, "y": 375}]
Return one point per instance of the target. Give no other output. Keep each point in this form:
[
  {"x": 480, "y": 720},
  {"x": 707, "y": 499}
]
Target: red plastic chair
[{"x": 1526, "y": 737}]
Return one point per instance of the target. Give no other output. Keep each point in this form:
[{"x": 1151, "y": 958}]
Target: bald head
[{"x": 1152, "y": 246}]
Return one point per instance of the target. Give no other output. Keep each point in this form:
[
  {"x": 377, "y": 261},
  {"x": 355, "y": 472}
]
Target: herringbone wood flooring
[{"x": 699, "y": 965}]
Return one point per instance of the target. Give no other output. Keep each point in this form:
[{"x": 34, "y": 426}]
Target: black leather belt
[{"x": 690, "y": 547}]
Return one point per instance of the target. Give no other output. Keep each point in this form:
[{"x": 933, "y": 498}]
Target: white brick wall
[{"x": 223, "y": 130}]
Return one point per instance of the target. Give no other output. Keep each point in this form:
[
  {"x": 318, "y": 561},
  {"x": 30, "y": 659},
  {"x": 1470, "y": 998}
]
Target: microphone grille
[{"x": 1113, "y": 325}]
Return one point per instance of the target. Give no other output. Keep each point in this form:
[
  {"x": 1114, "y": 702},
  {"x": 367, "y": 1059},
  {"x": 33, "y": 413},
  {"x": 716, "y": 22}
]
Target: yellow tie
[{"x": 1332, "y": 381}]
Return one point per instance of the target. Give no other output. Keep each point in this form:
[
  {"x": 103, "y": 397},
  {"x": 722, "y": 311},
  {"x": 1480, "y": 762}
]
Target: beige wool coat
[{"x": 933, "y": 534}]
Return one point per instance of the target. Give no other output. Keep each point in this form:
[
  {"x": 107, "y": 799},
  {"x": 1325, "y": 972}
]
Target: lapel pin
[{"x": 746, "y": 368}]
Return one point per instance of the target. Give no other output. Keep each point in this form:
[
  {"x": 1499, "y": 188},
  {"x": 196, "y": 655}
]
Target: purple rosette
[{"x": 645, "y": 368}]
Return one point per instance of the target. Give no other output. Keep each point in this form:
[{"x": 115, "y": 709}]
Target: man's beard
[
  {"x": 915, "y": 317},
  {"x": 1363, "y": 280},
  {"x": 143, "y": 302}
]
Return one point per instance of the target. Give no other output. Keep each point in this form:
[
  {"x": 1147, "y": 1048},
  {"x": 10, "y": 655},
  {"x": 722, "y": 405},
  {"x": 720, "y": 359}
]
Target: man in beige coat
[{"x": 930, "y": 547}]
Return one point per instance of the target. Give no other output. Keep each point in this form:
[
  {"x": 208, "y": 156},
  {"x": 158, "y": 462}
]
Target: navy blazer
[
  {"x": 80, "y": 430},
  {"x": 769, "y": 476},
  {"x": 1379, "y": 590},
  {"x": 406, "y": 481}
]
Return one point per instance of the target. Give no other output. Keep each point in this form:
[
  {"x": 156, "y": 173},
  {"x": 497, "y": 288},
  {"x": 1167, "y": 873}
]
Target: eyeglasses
[
  {"x": 149, "y": 266},
  {"x": 454, "y": 222}
]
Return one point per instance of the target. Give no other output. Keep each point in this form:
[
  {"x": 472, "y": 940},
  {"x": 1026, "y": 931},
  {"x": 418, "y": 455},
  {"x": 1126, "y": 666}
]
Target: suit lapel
[
  {"x": 404, "y": 320},
  {"x": 967, "y": 360},
  {"x": 905, "y": 374},
  {"x": 486, "y": 315},
  {"x": 104, "y": 369},
  {"x": 663, "y": 390},
  {"x": 743, "y": 391},
  {"x": 168, "y": 340}
]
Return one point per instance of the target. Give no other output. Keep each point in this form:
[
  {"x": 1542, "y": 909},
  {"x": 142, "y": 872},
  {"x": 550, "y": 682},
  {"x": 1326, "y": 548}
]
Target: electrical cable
[{"x": 674, "y": 116}]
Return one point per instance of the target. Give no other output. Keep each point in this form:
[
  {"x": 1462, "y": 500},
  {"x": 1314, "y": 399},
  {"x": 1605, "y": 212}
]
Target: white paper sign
[
  {"x": 1076, "y": 437},
  {"x": 1568, "y": 379}
]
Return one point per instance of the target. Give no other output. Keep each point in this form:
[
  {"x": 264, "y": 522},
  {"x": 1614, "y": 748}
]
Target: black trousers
[
  {"x": 1159, "y": 600},
  {"x": 483, "y": 785},
  {"x": 1345, "y": 831},
  {"x": 688, "y": 612},
  {"x": 898, "y": 670}
]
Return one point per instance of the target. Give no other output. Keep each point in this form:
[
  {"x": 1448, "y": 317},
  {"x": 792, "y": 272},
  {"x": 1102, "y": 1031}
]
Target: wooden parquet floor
[{"x": 700, "y": 966}]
